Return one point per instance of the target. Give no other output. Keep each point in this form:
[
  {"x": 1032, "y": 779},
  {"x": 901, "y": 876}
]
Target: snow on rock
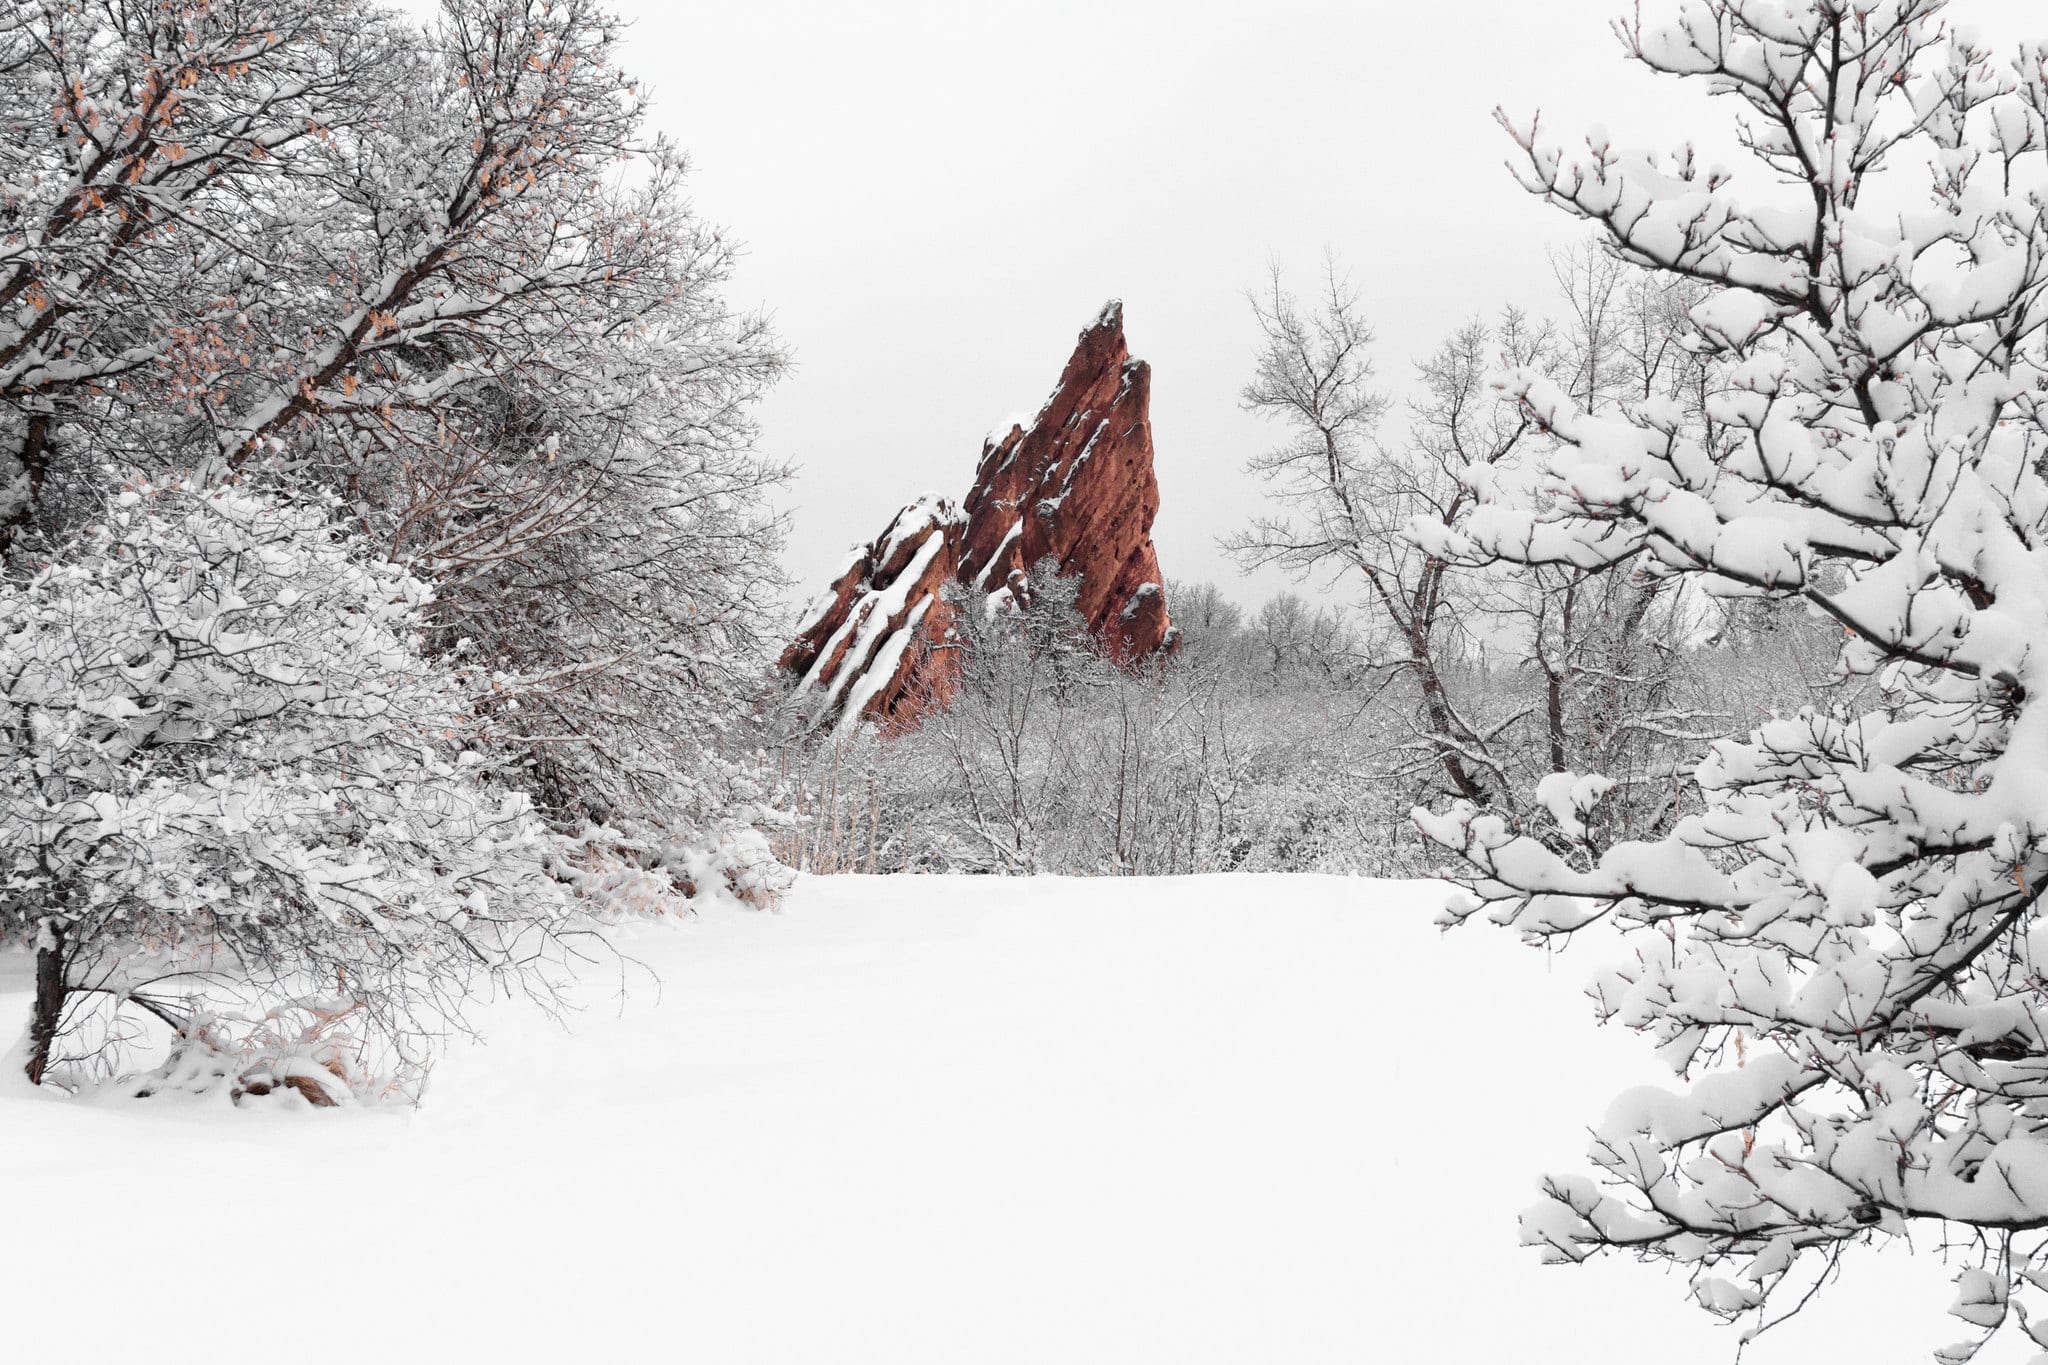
[
  {"x": 865, "y": 651},
  {"x": 1075, "y": 485}
]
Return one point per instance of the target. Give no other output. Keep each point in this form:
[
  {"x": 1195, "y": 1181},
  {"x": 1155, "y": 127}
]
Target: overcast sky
[{"x": 935, "y": 197}]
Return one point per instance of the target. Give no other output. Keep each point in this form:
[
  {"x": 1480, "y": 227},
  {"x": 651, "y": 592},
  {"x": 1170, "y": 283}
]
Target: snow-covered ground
[{"x": 1227, "y": 1119}]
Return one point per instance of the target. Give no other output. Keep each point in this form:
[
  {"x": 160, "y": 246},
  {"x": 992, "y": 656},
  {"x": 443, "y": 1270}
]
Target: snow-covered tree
[
  {"x": 144, "y": 147},
  {"x": 232, "y": 789},
  {"x": 1599, "y": 685},
  {"x": 525, "y": 377},
  {"x": 1842, "y": 951},
  {"x": 1347, "y": 493},
  {"x": 443, "y": 271}
]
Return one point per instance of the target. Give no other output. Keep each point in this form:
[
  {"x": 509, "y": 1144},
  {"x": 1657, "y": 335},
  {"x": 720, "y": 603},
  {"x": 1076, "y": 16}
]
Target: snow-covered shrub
[
  {"x": 232, "y": 788},
  {"x": 1843, "y": 950},
  {"x": 617, "y": 876}
]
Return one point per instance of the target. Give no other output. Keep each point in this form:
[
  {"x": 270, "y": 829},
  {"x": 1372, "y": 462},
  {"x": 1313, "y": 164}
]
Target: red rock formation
[
  {"x": 1076, "y": 486},
  {"x": 865, "y": 647}
]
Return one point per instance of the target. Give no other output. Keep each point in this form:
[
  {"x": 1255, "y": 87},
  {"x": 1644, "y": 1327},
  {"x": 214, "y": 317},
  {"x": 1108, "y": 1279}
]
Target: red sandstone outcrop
[
  {"x": 865, "y": 647},
  {"x": 1076, "y": 487}
]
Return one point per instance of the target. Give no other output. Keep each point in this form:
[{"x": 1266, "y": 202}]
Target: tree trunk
[
  {"x": 1437, "y": 706},
  {"x": 48, "y": 1012},
  {"x": 1553, "y": 712},
  {"x": 1555, "y": 678},
  {"x": 35, "y": 462},
  {"x": 1420, "y": 622}
]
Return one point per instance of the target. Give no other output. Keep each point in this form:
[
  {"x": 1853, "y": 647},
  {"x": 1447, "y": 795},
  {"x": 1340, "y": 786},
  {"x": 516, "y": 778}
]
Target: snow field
[{"x": 958, "y": 1120}]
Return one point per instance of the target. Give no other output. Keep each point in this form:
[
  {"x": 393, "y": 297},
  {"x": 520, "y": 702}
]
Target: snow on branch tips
[
  {"x": 232, "y": 790},
  {"x": 1838, "y": 948}
]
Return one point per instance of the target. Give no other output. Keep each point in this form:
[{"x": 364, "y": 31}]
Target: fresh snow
[{"x": 947, "y": 1120}]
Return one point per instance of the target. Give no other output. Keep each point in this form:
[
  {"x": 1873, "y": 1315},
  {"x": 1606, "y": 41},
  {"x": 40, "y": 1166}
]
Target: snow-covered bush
[
  {"x": 1843, "y": 950},
  {"x": 618, "y": 876},
  {"x": 233, "y": 790}
]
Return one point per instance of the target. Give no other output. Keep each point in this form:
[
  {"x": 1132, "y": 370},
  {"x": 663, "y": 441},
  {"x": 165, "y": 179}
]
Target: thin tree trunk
[
  {"x": 1553, "y": 710},
  {"x": 35, "y": 462},
  {"x": 874, "y": 819},
  {"x": 1436, "y": 704},
  {"x": 48, "y": 1011},
  {"x": 1555, "y": 678}
]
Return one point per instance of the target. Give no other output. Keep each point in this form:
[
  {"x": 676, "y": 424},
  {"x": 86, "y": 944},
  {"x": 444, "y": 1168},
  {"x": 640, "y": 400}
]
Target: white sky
[{"x": 936, "y": 195}]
